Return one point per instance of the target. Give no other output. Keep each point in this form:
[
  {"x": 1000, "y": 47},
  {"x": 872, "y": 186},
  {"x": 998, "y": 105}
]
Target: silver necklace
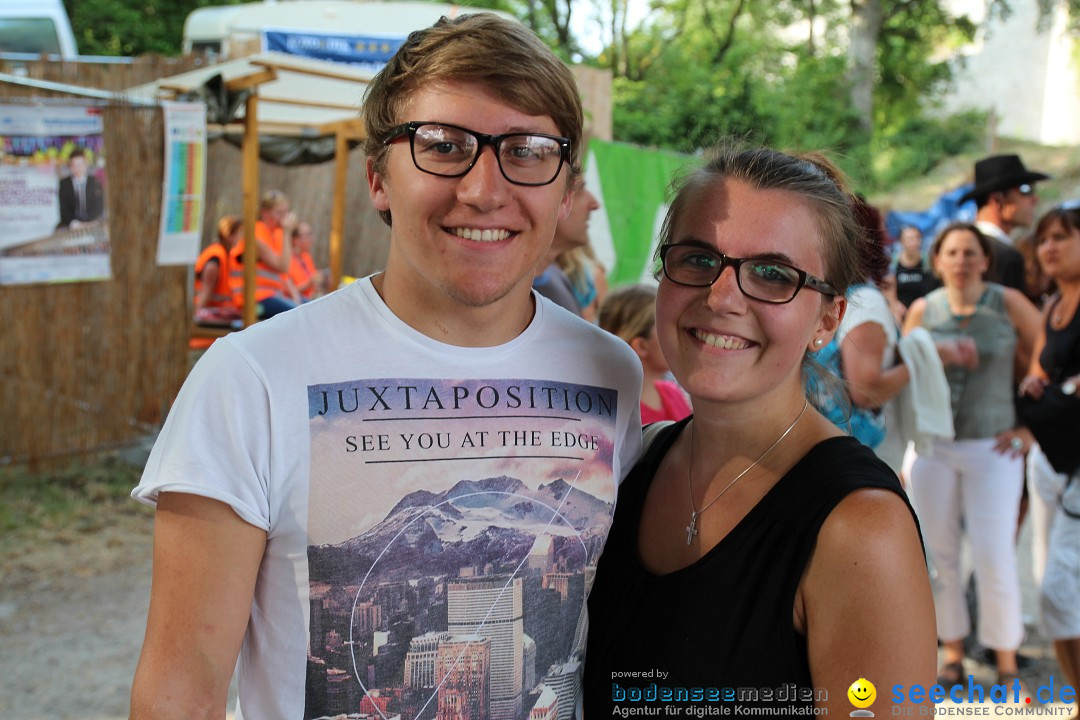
[{"x": 691, "y": 529}]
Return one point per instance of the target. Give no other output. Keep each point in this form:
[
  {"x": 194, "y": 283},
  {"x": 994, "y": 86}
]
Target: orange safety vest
[
  {"x": 301, "y": 271},
  {"x": 221, "y": 294},
  {"x": 268, "y": 282}
]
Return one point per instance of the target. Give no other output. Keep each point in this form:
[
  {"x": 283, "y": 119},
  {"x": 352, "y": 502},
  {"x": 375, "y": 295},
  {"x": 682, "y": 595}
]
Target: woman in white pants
[
  {"x": 1057, "y": 362},
  {"x": 973, "y": 484}
]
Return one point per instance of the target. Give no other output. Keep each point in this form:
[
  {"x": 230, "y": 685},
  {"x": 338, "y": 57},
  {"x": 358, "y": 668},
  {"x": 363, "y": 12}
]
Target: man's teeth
[
  {"x": 721, "y": 341},
  {"x": 478, "y": 235}
]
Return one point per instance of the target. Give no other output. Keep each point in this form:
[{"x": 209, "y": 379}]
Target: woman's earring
[{"x": 819, "y": 342}]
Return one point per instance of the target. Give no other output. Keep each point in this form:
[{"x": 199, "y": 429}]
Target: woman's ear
[{"x": 830, "y": 322}]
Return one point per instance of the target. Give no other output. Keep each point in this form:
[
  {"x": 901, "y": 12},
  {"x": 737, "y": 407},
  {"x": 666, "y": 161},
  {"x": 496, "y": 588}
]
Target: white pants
[
  {"x": 963, "y": 486},
  {"x": 1044, "y": 488},
  {"x": 1055, "y": 547}
]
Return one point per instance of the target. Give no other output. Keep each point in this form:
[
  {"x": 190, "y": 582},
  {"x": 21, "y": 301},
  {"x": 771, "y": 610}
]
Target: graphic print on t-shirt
[{"x": 453, "y": 528}]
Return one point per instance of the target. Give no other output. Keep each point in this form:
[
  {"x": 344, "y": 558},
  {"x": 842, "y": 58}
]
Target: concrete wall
[{"x": 1028, "y": 77}]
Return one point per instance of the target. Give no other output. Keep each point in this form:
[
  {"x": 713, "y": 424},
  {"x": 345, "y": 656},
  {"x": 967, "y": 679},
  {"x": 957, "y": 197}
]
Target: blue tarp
[{"x": 945, "y": 210}]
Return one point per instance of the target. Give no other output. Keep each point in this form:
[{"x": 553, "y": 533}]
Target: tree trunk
[{"x": 866, "y": 19}]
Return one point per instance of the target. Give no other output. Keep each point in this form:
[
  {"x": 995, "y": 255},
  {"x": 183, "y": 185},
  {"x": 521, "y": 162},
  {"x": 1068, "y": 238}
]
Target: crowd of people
[
  {"x": 285, "y": 275},
  {"x": 396, "y": 500}
]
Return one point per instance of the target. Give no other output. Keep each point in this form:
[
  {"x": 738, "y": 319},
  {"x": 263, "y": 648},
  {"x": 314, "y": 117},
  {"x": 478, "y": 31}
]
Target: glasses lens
[
  {"x": 443, "y": 150},
  {"x": 769, "y": 281},
  {"x": 530, "y": 159},
  {"x": 690, "y": 265},
  {"x": 1026, "y": 190}
]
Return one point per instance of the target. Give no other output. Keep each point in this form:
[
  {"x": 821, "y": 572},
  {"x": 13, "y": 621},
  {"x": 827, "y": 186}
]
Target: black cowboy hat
[{"x": 1000, "y": 172}]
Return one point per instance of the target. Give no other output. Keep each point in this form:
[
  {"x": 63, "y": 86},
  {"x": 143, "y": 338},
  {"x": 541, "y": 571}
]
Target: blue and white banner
[{"x": 368, "y": 51}]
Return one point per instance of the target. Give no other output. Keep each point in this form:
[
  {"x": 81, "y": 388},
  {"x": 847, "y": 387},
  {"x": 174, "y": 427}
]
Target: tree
[
  {"x": 132, "y": 27},
  {"x": 866, "y": 21}
]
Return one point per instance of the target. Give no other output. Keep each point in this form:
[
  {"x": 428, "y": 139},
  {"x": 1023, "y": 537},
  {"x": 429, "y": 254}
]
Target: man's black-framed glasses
[
  {"x": 763, "y": 279},
  {"x": 451, "y": 151}
]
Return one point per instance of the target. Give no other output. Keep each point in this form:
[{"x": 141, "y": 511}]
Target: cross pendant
[{"x": 691, "y": 529}]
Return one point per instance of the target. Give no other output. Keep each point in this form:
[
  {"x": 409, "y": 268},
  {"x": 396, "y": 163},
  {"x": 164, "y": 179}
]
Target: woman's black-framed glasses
[
  {"x": 763, "y": 279},
  {"x": 451, "y": 151}
]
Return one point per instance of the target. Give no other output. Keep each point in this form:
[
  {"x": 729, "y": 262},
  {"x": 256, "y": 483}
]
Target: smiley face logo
[{"x": 862, "y": 693}]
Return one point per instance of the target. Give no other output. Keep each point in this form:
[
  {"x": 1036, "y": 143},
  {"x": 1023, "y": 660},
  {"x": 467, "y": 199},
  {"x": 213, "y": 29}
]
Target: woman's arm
[
  {"x": 914, "y": 316},
  {"x": 861, "y": 355},
  {"x": 1025, "y": 318},
  {"x": 866, "y": 604},
  {"x": 279, "y": 262},
  {"x": 1037, "y": 377},
  {"x": 209, "y": 278}
]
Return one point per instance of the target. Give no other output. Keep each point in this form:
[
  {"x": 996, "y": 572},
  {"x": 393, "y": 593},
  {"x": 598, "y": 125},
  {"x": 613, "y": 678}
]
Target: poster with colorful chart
[{"x": 184, "y": 193}]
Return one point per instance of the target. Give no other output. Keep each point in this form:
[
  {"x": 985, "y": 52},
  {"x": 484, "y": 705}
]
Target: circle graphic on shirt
[
  {"x": 862, "y": 694},
  {"x": 484, "y": 624}
]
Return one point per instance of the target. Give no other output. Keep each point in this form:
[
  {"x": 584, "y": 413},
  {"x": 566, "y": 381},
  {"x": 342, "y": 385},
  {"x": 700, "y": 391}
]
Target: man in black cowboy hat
[{"x": 1004, "y": 193}]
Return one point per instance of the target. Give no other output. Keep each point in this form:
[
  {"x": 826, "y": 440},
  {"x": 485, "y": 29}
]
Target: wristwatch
[{"x": 1069, "y": 387}]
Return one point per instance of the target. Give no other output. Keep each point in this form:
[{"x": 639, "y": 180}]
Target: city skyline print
[{"x": 453, "y": 526}]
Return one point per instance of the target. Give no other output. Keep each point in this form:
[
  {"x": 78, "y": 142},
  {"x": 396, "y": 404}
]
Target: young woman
[
  {"x": 1055, "y": 510},
  {"x": 971, "y": 485},
  {"x": 754, "y": 545}
]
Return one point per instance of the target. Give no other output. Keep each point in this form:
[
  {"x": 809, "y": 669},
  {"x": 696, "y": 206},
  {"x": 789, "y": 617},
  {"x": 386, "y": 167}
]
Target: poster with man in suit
[
  {"x": 53, "y": 205},
  {"x": 81, "y": 196}
]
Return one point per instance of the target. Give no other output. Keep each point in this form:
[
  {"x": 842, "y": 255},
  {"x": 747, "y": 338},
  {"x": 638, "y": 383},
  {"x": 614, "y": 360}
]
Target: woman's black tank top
[
  {"x": 720, "y": 631},
  {"x": 1060, "y": 357}
]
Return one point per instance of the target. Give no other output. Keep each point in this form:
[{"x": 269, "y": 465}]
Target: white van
[
  {"x": 39, "y": 27},
  {"x": 227, "y": 31}
]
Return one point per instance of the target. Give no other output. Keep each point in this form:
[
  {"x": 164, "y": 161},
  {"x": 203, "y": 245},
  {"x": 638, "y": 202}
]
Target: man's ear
[{"x": 377, "y": 187}]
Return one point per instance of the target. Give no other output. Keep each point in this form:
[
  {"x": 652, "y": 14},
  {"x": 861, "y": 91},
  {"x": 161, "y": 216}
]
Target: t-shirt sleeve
[
  {"x": 630, "y": 440},
  {"x": 865, "y": 305},
  {"x": 216, "y": 440}
]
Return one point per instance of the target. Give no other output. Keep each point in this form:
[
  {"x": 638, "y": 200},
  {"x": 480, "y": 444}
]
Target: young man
[
  {"x": 80, "y": 196},
  {"x": 390, "y": 500},
  {"x": 1005, "y": 196}
]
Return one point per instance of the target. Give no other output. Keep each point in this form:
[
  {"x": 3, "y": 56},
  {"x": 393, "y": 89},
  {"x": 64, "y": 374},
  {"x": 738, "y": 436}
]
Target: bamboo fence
[{"x": 92, "y": 365}]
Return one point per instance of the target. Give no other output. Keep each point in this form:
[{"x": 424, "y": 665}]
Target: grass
[
  {"x": 1063, "y": 163},
  {"x": 84, "y": 497}
]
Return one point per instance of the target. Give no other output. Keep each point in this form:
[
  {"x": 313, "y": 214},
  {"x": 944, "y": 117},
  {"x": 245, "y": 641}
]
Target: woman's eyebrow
[{"x": 773, "y": 256}]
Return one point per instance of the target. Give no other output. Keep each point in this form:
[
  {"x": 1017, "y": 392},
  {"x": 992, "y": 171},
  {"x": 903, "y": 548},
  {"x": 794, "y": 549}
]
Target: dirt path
[
  {"x": 72, "y": 613},
  {"x": 73, "y": 608}
]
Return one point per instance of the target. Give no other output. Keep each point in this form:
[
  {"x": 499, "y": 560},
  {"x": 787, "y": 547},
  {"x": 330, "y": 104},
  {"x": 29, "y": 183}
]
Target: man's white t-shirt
[{"x": 433, "y": 513}]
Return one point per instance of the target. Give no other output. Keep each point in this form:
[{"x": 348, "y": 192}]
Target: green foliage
[
  {"x": 917, "y": 143},
  {"x": 707, "y": 68},
  {"x": 132, "y": 27}
]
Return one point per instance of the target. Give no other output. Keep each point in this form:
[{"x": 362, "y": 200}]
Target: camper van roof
[{"x": 371, "y": 17}]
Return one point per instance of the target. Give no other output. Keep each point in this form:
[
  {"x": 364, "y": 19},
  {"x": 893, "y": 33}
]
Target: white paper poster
[
  {"x": 184, "y": 187},
  {"x": 53, "y": 212}
]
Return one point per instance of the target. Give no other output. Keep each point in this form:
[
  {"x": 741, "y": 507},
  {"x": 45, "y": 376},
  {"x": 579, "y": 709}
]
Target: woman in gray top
[{"x": 972, "y": 484}]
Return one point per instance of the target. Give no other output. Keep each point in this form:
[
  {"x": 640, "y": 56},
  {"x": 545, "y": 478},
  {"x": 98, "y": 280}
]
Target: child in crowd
[{"x": 629, "y": 313}]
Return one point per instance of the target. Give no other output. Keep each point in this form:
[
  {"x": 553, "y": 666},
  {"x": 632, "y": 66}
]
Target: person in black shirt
[
  {"x": 758, "y": 556},
  {"x": 914, "y": 277}
]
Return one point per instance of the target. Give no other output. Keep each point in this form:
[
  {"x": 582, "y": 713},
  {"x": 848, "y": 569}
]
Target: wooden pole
[
  {"x": 337, "y": 213},
  {"x": 250, "y": 178}
]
